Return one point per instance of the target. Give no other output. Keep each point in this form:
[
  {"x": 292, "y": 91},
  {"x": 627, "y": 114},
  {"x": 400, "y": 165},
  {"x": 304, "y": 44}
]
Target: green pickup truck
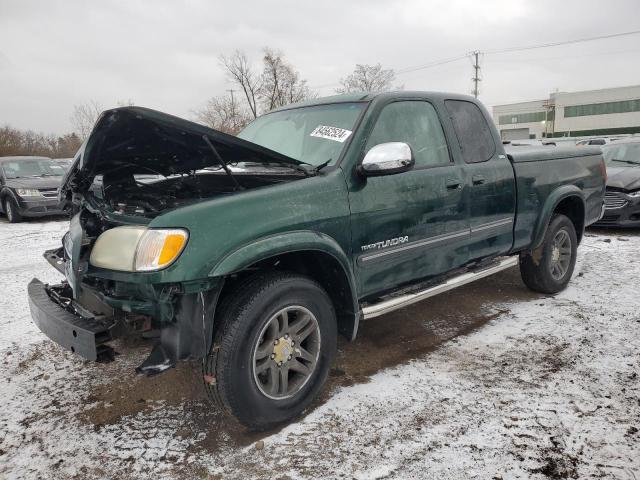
[{"x": 252, "y": 253}]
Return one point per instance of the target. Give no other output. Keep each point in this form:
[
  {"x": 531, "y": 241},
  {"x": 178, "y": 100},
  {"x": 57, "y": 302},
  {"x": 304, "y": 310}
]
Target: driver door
[{"x": 412, "y": 225}]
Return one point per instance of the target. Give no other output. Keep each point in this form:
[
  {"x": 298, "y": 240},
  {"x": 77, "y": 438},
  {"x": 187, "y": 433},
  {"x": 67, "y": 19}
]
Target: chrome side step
[{"x": 392, "y": 304}]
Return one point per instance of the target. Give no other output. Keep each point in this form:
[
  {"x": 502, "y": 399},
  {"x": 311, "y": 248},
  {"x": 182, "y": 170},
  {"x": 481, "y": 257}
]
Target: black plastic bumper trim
[{"x": 84, "y": 336}]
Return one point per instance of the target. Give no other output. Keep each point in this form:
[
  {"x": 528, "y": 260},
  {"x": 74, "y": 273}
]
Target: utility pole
[
  {"x": 476, "y": 73},
  {"x": 233, "y": 100}
]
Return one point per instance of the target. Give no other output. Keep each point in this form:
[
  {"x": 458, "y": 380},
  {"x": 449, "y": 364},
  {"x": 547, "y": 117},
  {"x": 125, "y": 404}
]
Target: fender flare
[
  {"x": 550, "y": 204},
  {"x": 290, "y": 242}
]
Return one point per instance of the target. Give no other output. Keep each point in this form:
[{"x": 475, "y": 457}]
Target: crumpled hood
[
  {"x": 626, "y": 178},
  {"x": 143, "y": 141}
]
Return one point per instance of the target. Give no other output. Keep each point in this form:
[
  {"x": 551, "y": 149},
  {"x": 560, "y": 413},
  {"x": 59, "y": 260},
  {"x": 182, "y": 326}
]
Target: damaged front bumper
[
  {"x": 60, "y": 319},
  {"x": 182, "y": 315}
]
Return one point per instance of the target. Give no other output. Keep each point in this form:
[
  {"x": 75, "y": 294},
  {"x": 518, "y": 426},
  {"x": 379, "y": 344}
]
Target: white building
[{"x": 610, "y": 111}]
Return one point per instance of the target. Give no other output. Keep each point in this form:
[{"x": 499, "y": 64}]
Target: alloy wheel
[
  {"x": 286, "y": 353},
  {"x": 560, "y": 254}
]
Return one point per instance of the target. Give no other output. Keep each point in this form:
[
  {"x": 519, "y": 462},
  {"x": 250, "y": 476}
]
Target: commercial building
[{"x": 610, "y": 111}]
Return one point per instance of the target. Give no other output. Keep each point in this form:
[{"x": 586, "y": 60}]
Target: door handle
[
  {"x": 478, "y": 179},
  {"x": 452, "y": 183}
]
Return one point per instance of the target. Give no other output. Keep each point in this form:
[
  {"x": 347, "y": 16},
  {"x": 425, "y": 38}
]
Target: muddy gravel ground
[{"x": 488, "y": 381}]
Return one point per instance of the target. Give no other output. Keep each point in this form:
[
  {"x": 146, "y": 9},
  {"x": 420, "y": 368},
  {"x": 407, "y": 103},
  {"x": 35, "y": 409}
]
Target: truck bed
[
  {"x": 533, "y": 153},
  {"x": 541, "y": 170}
]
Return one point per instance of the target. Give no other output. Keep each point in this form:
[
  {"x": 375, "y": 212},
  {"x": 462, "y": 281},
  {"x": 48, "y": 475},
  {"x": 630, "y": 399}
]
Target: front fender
[
  {"x": 273, "y": 245},
  {"x": 549, "y": 207},
  {"x": 290, "y": 242}
]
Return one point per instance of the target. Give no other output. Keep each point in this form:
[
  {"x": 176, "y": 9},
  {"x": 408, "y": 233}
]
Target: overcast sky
[{"x": 164, "y": 54}]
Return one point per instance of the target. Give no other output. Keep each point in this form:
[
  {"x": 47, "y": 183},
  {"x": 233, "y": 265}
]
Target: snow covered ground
[{"x": 541, "y": 387}]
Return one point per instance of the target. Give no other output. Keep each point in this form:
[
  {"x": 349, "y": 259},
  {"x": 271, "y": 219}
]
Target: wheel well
[
  {"x": 321, "y": 267},
  {"x": 3, "y": 196},
  {"x": 573, "y": 208}
]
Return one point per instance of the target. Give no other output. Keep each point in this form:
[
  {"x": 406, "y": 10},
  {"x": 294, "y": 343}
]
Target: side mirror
[{"x": 387, "y": 159}]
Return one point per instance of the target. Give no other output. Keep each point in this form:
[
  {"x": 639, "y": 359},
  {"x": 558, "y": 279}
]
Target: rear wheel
[
  {"x": 549, "y": 267},
  {"x": 11, "y": 209},
  {"x": 273, "y": 349}
]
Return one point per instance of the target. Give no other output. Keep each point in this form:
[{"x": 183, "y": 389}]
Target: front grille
[
  {"x": 613, "y": 200},
  {"x": 49, "y": 192}
]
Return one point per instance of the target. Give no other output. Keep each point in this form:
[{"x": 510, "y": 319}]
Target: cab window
[
  {"x": 416, "y": 123},
  {"x": 472, "y": 130}
]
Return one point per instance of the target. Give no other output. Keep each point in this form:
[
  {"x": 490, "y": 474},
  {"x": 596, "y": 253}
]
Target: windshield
[
  {"x": 31, "y": 168},
  {"x": 65, "y": 165},
  {"x": 622, "y": 154},
  {"x": 313, "y": 135}
]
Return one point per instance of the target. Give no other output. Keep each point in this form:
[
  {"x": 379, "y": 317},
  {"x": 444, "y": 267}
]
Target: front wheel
[
  {"x": 273, "y": 349},
  {"x": 549, "y": 267},
  {"x": 11, "y": 209}
]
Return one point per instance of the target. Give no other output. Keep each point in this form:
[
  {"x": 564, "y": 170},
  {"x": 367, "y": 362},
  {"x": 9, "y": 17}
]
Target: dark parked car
[
  {"x": 29, "y": 187},
  {"x": 622, "y": 199},
  {"x": 65, "y": 163},
  {"x": 594, "y": 141}
]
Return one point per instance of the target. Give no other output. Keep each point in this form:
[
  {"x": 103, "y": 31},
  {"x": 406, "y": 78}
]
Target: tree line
[
  {"x": 27, "y": 142},
  {"x": 256, "y": 88}
]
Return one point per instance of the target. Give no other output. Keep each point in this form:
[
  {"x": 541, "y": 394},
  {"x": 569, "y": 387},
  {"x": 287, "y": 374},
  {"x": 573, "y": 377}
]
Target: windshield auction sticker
[{"x": 331, "y": 133}]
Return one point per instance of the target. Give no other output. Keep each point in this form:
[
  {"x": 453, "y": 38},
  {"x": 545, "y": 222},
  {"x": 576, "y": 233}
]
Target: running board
[{"x": 386, "y": 306}]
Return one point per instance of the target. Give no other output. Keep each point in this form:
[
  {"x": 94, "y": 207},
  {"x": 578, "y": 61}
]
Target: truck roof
[{"x": 367, "y": 97}]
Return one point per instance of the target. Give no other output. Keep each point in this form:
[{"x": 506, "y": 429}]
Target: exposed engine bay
[{"x": 150, "y": 195}]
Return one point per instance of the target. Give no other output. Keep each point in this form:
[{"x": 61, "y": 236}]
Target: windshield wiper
[
  {"x": 222, "y": 162},
  {"x": 630, "y": 162},
  {"x": 311, "y": 169},
  {"x": 323, "y": 164}
]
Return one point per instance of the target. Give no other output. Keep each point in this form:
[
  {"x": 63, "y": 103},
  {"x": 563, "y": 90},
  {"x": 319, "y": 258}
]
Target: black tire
[
  {"x": 537, "y": 267},
  {"x": 229, "y": 374},
  {"x": 11, "y": 211}
]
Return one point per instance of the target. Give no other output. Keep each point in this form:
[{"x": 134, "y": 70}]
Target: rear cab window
[{"x": 473, "y": 132}]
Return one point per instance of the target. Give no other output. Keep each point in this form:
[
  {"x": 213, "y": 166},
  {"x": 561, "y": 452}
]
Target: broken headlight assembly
[{"x": 138, "y": 249}]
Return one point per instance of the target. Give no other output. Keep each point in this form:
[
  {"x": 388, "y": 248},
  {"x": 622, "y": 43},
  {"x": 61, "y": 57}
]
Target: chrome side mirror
[{"x": 387, "y": 159}]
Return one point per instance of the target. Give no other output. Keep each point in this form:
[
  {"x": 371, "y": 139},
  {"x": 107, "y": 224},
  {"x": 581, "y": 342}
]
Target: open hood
[{"x": 139, "y": 140}]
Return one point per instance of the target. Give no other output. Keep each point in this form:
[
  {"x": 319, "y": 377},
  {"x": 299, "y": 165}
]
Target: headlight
[
  {"x": 635, "y": 194},
  {"x": 138, "y": 249},
  {"x": 28, "y": 192},
  {"x": 159, "y": 248}
]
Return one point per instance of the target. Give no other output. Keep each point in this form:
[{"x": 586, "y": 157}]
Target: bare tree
[
  {"x": 84, "y": 117},
  {"x": 224, "y": 113},
  {"x": 241, "y": 73},
  {"x": 67, "y": 146},
  {"x": 281, "y": 84},
  {"x": 367, "y": 78},
  {"x": 278, "y": 84}
]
